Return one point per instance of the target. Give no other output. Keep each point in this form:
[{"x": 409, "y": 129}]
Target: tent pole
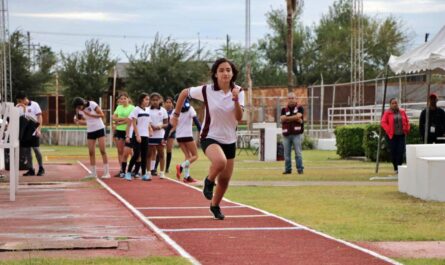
[
  {"x": 380, "y": 127},
  {"x": 427, "y": 114}
]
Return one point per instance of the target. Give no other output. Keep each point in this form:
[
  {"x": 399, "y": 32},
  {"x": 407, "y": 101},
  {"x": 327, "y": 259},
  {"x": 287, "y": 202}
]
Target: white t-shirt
[
  {"x": 143, "y": 120},
  {"x": 93, "y": 123},
  {"x": 157, "y": 118},
  {"x": 32, "y": 110},
  {"x": 219, "y": 121},
  {"x": 184, "y": 128}
]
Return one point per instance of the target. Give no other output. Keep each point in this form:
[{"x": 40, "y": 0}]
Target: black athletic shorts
[
  {"x": 184, "y": 139},
  {"x": 96, "y": 134},
  {"x": 155, "y": 141},
  {"x": 120, "y": 134},
  {"x": 228, "y": 149}
]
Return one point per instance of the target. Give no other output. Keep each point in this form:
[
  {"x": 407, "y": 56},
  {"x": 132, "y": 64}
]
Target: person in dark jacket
[
  {"x": 396, "y": 125},
  {"x": 292, "y": 127},
  {"x": 436, "y": 121}
]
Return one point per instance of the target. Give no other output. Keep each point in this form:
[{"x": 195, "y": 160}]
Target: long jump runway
[{"x": 180, "y": 215}]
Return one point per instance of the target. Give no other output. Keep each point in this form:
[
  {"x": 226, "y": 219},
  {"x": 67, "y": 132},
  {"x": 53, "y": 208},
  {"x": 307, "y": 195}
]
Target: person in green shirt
[{"x": 120, "y": 118}]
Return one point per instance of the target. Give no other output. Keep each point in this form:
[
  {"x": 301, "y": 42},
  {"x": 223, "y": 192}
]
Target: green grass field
[{"x": 353, "y": 213}]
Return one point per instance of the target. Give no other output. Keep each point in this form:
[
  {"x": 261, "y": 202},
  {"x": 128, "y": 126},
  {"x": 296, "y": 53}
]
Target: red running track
[{"x": 179, "y": 214}]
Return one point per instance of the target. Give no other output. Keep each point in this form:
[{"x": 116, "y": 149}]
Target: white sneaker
[
  {"x": 106, "y": 176},
  {"x": 161, "y": 175},
  {"x": 90, "y": 176}
]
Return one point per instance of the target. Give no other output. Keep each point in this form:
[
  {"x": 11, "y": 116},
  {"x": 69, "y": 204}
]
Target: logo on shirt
[
  {"x": 29, "y": 110},
  {"x": 89, "y": 109}
]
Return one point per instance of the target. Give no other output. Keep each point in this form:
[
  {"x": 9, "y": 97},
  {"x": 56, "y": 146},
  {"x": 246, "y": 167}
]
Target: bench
[{"x": 423, "y": 176}]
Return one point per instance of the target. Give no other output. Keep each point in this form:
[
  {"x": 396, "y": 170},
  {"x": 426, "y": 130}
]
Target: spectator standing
[
  {"x": 436, "y": 121},
  {"x": 292, "y": 125},
  {"x": 396, "y": 125}
]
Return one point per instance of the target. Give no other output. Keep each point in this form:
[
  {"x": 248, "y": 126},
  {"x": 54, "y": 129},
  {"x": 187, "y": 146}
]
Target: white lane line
[
  {"x": 204, "y": 216},
  {"x": 367, "y": 251},
  {"x": 152, "y": 226},
  {"x": 186, "y": 207},
  {"x": 231, "y": 229}
]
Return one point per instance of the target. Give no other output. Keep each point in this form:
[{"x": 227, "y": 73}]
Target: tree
[
  {"x": 262, "y": 73},
  {"x": 20, "y": 64},
  {"x": 23, "y": 78},
  {"x": 333, "y": 42},
  {"x": 164, "y": 66},
  {"x": 85, "y": 73},
  {"x": 274, "y": 45},
  {"x": 45, "y": 61}
]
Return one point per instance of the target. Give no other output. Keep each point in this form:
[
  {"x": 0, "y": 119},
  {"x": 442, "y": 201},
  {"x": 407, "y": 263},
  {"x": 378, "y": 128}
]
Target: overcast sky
[{"x": 123, "y": 24}]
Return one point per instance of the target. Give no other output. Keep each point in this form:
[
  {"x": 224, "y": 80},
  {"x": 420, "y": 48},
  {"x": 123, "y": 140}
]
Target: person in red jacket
[{"x": 396, "y": 125}]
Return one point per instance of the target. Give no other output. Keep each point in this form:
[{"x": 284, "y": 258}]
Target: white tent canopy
[{"x": 428, "y": 56}]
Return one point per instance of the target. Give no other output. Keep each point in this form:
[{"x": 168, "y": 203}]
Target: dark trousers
[
  {"x": 397, "y": 148},
  {"x": 139, "y": 149}
]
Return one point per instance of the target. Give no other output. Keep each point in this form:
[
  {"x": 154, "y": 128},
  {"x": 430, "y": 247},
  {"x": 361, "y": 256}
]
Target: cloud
[
  {"x": 85, "y": 16},
  {"x": 404, "y": 6}
]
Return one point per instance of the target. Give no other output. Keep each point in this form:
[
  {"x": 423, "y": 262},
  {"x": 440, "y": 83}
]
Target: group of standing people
[{"x": 396, "y": 125}]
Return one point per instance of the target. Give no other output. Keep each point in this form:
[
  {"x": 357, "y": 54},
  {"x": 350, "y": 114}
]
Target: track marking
[
  {"x": 367, "y": 251},
  {"x": 186, "y": 207},
  {"x": 232, "y": 229},
  {"x": 141, "y": 217},
  {"x": 204, "y": 216}
]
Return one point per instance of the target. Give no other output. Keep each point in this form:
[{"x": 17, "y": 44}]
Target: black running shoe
[
  {"x": 153, "y": 172},
  {"x": 30, "y": 172},
  {"x": 41, "y": 171},
  {"x": 208, "y": 188},
  {"x": 216, "y": 211}
]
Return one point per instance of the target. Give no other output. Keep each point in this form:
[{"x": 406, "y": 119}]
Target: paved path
[{"x": 311, "y": 183}]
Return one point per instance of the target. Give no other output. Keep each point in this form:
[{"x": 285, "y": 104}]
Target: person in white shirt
[
  {"x": 140, "y": 121},
  {"x": 224, "y": 103},
  {"x": 159, "y": 118},
  {"x": 31, "y": 110},
  {"x": 89, "y": 113},
  {"x": 184, "y": 137}
]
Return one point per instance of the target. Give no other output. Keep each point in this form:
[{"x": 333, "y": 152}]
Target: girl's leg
[
  {"x": 92, "y": 155},
  {"x": 191, "y": 155},
  {"x": 217, "y": 159},
  {"x": 160, "y": 152},
  {"x": 151, "y": 157},
  {"x": 103, "y": 153},
  {"x": 120, "y": 145},
  {"x": 144, "y": 154},
  {"x": 170, "y": 142},
  {"x": 127, "y": 152},
  {"x": 133, "y": 160},
  {"x": 223, "y": 182}
]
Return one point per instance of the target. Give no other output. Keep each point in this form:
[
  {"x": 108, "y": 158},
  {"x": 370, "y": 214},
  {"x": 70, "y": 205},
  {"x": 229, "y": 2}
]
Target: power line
[{"x": 92, "y": 35}]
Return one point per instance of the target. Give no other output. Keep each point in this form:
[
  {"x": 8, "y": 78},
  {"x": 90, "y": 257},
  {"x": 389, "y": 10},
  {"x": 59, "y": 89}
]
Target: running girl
[
  {"x": 184, "y": 137},
  {"x": 224, "y": 103}
]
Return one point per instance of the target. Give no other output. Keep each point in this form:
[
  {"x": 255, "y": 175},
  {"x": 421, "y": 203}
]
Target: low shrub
[{"x": 349, "y": 140}]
